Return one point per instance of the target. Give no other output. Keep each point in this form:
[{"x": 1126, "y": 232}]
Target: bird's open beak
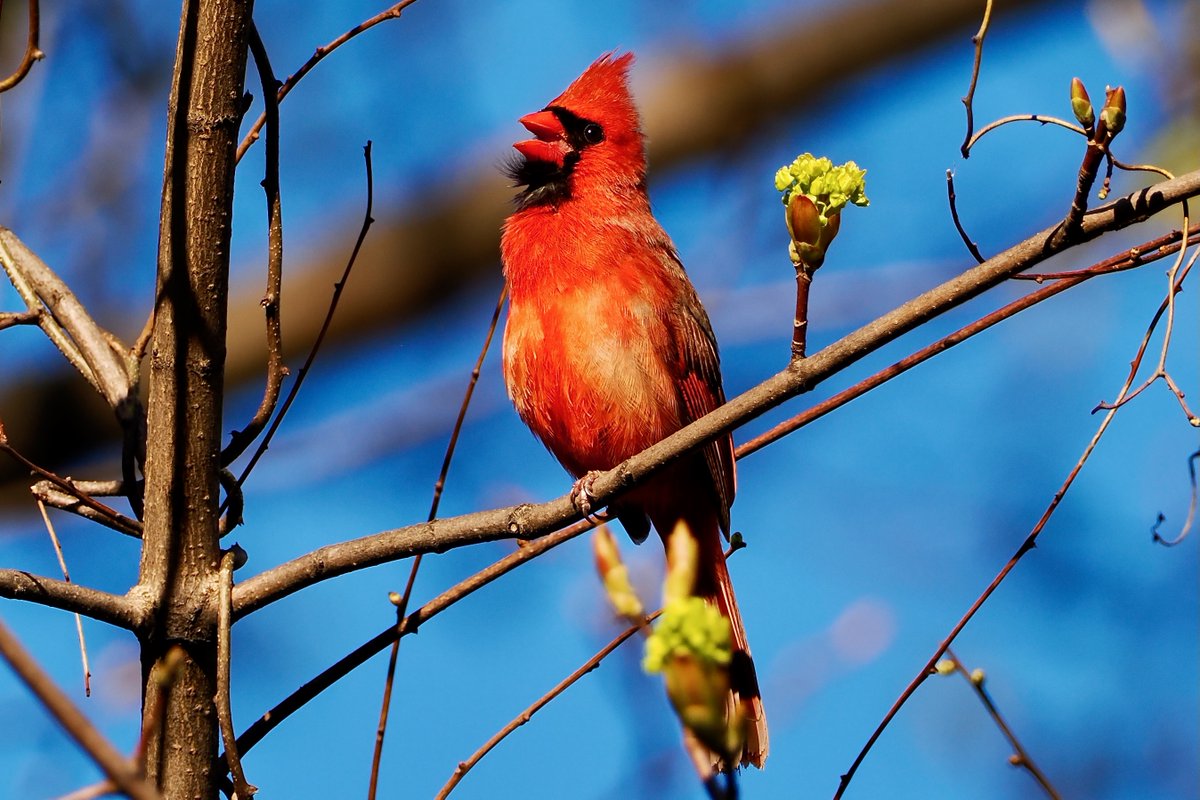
[{"x": 551, "y": 142}]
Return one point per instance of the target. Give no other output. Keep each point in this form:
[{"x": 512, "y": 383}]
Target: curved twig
[
  {"x": 224, "y": 659},
  {"x": 953, "y": 198},
  {"x": 32, "y": 51},
  {"x": 969, "y": 98},
  {"x": 276, "y": 371},
  {"x": 1040, "y": 118}
]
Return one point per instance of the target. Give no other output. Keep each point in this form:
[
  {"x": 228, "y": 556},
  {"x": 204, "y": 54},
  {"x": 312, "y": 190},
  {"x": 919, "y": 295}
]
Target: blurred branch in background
[{"x": 419, "y": 257}]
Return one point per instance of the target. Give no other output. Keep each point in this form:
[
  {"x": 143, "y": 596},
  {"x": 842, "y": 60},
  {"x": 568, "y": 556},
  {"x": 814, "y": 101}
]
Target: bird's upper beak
[{"x": 551, "y": 143}]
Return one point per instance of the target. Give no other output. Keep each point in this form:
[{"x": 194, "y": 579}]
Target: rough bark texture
[{"x": 181, "y": 548}]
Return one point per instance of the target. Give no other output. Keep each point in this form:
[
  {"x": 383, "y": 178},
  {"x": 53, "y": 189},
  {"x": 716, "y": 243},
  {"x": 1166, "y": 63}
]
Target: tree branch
[
  {"x": 16, "y": 584},
  {"x": 119, "y": 769},
  {"x": 531, "y": 521}
]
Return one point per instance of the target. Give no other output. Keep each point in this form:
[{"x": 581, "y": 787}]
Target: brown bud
[{"x": 803, "y": 219}]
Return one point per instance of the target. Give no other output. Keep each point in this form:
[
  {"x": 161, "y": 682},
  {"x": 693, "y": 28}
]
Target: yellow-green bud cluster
[
  {"x": 830, "y": 188},
  {"x": 689, "y": 627}
]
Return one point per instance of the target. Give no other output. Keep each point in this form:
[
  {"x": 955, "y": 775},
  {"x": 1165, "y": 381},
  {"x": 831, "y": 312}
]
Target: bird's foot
[{"x": 582, "y": 496}]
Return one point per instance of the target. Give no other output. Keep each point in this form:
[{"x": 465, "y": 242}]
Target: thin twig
[
  {"x": 118, "y": 520},
  {"x": 108, "y": 758},
  {"x": 243, "y": 790},
  {"x": 804, "y": 279},
  {"x": 1039, "y": 118},
  {"x": 465, "y": 766},
  {"x": 32, "y": 51},
  {"x": 1167, "y": 307},
  {"x": 1020, "y": 757},
  {"x": 969, "y": 99},
  {"x": 1028, "y": 544},
  {"x": 276, "y": 371},
  {"x": 62, "y": 563},
  {"x": 392, "y": 12},
  {"x": 333, "y": 303},
  {"x": 1191, "y": 512},
  {"x": 438, "y": 487},
  {"x": 31, "y": 316},
  {"x": 953, "y": 197}
]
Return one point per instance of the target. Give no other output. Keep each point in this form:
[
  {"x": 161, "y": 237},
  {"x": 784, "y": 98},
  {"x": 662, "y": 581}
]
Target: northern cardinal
[{"x": 607, "y": 348}]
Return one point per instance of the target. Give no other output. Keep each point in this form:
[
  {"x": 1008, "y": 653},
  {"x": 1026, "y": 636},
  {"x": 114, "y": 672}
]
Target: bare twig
[
  {"x": 1191, "y": 512},
  {"x": 953, "y": 198},
  {"x": 1028, "y": 544},
  {"x": 1020, "y": 757},
  {"x": 1167, "y": 307},
  {"x": 108, "y": 758},
  {"x": 243, "y": 790},
  {"x": 62, "y": 563},
  {"x": 112, "y": 517},
  {"x": 48, "y": 493},
  {"x": 530, "y": 521},
  {"x": 804, "y": 279},
  {"x": 9, "y": 319},
  {"x": 333, "y": 303},
  {"x": 392, "y": 12},
  {"x": 465, "y": 766},
  {"x": 276, "y": 371},
  {"x": 969, "y": 99},
  {"x": 438, "y": 487},
  {"x": 32, "y": 51},
  {"x": 1039, "y": 118}
]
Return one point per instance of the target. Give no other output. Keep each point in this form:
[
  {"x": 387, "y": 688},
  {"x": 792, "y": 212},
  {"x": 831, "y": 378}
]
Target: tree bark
[{"x": 181, "y": 545}]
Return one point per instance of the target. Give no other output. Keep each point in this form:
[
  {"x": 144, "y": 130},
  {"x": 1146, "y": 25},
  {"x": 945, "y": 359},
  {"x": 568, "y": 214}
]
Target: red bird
[{"x": 607, "y": 349}]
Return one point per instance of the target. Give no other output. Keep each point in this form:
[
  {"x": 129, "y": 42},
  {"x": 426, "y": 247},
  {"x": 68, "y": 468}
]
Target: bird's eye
[{"x": 593, "y": 133}]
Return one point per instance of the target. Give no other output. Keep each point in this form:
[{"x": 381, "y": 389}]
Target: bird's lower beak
[{"x": 551, "y": 142}]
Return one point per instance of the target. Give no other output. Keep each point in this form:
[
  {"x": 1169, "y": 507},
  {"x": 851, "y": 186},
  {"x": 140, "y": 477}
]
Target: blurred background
[{"x": 870, "y": 532}]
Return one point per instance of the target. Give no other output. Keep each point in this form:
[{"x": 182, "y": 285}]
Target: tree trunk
[{"x": 181, "y": 544}]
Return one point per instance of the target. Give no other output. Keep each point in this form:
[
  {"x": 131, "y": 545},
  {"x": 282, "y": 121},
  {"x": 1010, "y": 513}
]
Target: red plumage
[{"x": 608, "y": 349}]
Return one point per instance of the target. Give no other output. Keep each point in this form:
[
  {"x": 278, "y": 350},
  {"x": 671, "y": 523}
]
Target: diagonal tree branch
[
  {"x": 531, "y": 521},
  {"x": 120, "y": 770}
]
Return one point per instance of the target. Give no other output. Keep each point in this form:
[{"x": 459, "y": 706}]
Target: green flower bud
[
  {"x": 1113, "y": 112},
  {"x": 945, "y": 667},
  {"x": 689, "y": 626},
  {"x": 615, "y": 575},
  {"x": 978, "y": 676},
  {"x": 815, "y": 192},
  {"x": 699, "y": 693},
  {"x": 1081, "y": 104},
  {"x": 683, "y": 553}
]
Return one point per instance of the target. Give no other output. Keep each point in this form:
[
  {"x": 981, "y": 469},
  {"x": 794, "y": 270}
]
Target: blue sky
[{"x": 870, "y": 531}]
